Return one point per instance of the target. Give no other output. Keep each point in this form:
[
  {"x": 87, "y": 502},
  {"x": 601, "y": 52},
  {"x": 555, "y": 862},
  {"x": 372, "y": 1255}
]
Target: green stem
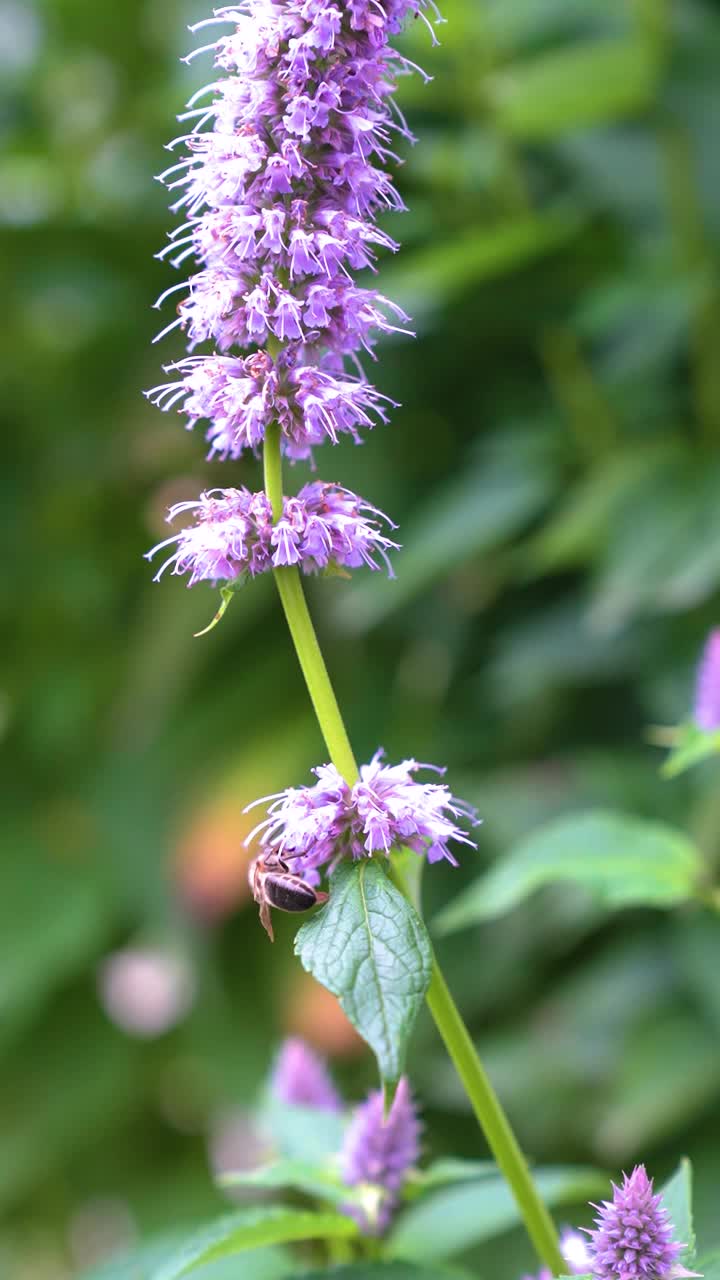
[{"x": 485, "y": 1103}]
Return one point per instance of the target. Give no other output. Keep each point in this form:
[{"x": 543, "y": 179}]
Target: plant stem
[{"x": 485, "y": 1103}]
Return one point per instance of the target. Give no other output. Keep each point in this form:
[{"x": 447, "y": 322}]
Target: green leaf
[
  {"x": 302, "y": 1133},
  {"x": 252, "y": 1229},
  {"x": 691, "y": 746},
  {"x": 142, "y": 1264},
  {"x": 442, "y": 1172},
  {"x": 622, "y": 861},
  {"x": 569, "y": 88},
  {"x": 385, "y": 1271},
  {"x": 309, "y": 1179},
  {"x": 709, "y": 1265},
  {"x": 392, "y": 1270},
  {"x": 370, "y": 948},
  {"x": 456, "y": 1218},
  {"x": 677, "y": 1198}
]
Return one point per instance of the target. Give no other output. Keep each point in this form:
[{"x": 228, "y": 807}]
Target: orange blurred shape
[
  {"x": 210, "y": 864},
  {"x": 313, "y": 1013}
]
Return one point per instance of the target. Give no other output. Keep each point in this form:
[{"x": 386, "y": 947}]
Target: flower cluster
[
  {"x": 317, "y": 825},
  {"x": 378, "y": 1151},
  {"x": 300, "y": 1078},
  {"x": 633, "y": 1236},
  {"x": 234, "y": 534},
  {"x": 282, "y": 182},
  {"x": 707, "y": 689}
]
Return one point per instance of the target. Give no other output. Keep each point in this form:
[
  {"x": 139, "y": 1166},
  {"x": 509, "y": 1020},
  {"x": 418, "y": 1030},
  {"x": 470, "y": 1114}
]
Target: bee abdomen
[{"x": 288, "y": 892}]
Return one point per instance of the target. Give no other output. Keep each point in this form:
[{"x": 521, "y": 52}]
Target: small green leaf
[
  {"x": 369, "y": 947},
  {"x": 442, "y": 1172},
  {"x": 302, "y": 1133},
  {"x": 691, "y": 746},
  {"x": 142, "y": 1264},
  {"x": 310, "y": 1179},
  {"x": 622, "y": 861},
  {"x": 385, "y": 1271},
  {"x": 677, "y": 1198},
  {"x": 458, "y": 1217},
  {"x": 582, "y": 85},
  {"x": 252, "y": 1229}
]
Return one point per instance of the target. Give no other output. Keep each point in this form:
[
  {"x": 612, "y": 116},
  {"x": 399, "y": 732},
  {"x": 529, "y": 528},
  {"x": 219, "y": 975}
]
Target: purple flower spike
[
  {"x": 317, "y": 825},
  {"x": 380, "y": 1151},
  {"x": 301, "y": 1078},
  {"x": 633, "y": 1239},
  {"x": 707, "y": 689},
  {"x": 283, "y": 172},
  {"x": 233, "y": 534}
]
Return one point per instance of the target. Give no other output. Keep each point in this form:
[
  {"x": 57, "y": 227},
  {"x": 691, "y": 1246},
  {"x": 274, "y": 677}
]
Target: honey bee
[{"x": 273, "y": 884}]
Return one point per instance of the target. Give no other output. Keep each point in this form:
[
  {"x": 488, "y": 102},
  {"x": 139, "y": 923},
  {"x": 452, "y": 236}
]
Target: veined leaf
[
  {"x": 309, "y": 1179},
  {"x": 252, "y": 1229},
  {"x": 370, "y": 948},
  {"x": 677, "y": 1198},
  {"x": 622, "y": 861}
]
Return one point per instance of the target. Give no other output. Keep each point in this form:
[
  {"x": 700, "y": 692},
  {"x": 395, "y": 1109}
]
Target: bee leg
[
  {"x": 266, "y": 921},
  {"x": 320, "y": 896}
]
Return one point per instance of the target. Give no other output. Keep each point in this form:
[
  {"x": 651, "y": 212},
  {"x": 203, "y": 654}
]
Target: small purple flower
[
  {"x": 386, "y": 807},
  {"x": 380, "y": 1151},
  {"x": 301, "y": 1078},
  {"x": 707, "y": 689},
  {"x": 283, "y": 174},
  {"x": 234, "y": 534},
  {"x": 633, "y": 1237}
]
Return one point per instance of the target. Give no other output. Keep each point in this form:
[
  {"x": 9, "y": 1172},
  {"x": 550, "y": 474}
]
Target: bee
[{"x": 273, "y": 884}]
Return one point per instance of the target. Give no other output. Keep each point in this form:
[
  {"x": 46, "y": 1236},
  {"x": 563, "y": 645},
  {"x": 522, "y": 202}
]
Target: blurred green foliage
[{"x": 555, "y": 473}]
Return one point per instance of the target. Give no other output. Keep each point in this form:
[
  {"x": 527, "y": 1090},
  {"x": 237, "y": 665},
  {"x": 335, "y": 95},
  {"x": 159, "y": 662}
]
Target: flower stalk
[{"x": 485, "y": 1103}]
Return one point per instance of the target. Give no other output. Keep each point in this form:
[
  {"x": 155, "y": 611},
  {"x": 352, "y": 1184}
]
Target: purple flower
[
  {"x": 386, "y": 807},
  {"x": 234, "y": 533},
  {"x": 283, "y": 174},
  {"x": 576, "y": 1254},
  {"x": 633, "y": 1239},
  {"x": 301, "y": 1078},
  {"x": 707, "y": 689},
  {"x": 380, "y": 1151}
]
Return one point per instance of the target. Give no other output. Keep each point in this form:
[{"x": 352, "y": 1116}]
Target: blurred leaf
[
  {"x": 309, "y": 1179},
  {"x": 142, "y": 1264},
  {"x": 54, "y": 918},
  {"x": 677, "y": 1198},
  {"x": 622, "y": 861},
  {"x": 691, "y": 746},
  {"x": 303, "y": 1133},
  {"x": 442, "y": 1172},
  {"x": 485, "y": 504},
  {"x": 427, "y": 280},
  {"x": 370, "y": 948},
  {"x": 385, "y": 1271},
  {"x": 252, "y": 1229},
  {"x": 579, "y": 86},
  {"x": 448, "y": 1222}
]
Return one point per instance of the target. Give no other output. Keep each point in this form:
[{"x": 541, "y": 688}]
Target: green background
[{"x": 555, "y": 474}]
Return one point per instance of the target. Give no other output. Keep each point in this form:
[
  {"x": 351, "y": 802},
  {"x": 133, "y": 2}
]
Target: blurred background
[{"x": 555, "y": 474}]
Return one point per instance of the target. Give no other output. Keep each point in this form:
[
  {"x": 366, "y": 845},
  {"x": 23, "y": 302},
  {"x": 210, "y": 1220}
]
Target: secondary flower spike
[
  {"x": 284, "y": 172},
  {"x": 233, "y": 534},
  {"x": 633, "y": 1236},
  {"x": 301, "y": 1078},
  {"x": 380, "y": 1151},
  {"x": 318, "y": 825},
  {"x": 707, "y": 689}
]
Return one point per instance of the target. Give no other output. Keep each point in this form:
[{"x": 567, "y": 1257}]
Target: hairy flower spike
[
  {"x": 707, "y": 690},
  {"x": 380, "y": 1151},
  {"x": 633, "y": 1239},
  {"x": 301, "y": 1078},
  {"x": 234, "y": 534},
  {"x": 283, "y": 176},
  {"x": 315, "y": 826}
]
